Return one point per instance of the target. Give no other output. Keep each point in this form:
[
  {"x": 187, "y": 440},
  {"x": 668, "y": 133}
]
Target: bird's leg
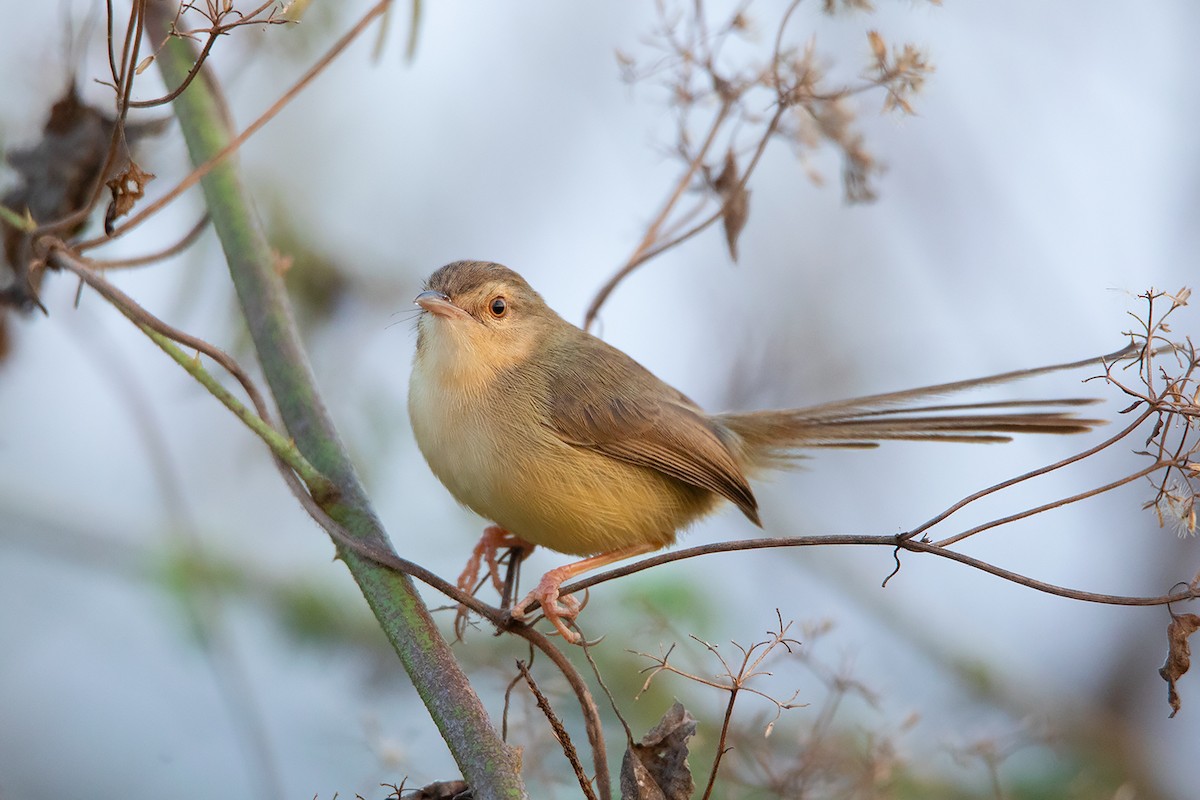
[
  {"x": 494, "y": 539},
  {"x": 556, "y": 608},
  {"x": 512, "y": 575}
]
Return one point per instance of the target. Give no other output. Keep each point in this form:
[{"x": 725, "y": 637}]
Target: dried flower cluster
[{"x": 728, "y": 109}]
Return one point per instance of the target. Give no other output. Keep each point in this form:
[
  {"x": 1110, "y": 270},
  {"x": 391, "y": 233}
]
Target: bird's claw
[
  {"x": 493, "y": 540},
  {"x": 557, "y": 608}
]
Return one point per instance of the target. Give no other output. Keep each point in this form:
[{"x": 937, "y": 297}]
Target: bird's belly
[{"x": 547, "y": 491}]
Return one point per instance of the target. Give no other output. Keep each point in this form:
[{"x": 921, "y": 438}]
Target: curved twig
[
  {"x": 237, "y": 141},
  {"x": 645, "y": 249},
  {"x": 129, "y": 54},
  {"x": 971, "y": 498},
  {"x": 153, "y": 258},
  {"x": 370, "y": 550},
  {"x": 216, "y": 31},
  {"x": 877, "y": 540},
  {"x": 1029, "y": 512},
  {"x": 644, "y": 253},
  {"x": 62, "y": 258}
]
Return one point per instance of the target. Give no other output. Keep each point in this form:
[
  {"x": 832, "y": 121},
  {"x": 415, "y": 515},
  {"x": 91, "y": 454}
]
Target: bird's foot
[
  {"x": 493, "y": 540},
  {"x": 558, "y": 609}
]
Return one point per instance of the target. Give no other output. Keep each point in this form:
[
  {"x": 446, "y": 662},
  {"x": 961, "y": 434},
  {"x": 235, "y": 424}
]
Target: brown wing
[{"x": 609, "y": 403}]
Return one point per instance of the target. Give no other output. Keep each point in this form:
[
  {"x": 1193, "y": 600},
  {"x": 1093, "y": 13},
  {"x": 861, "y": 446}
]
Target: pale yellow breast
[{"x": 497, "y": 457}]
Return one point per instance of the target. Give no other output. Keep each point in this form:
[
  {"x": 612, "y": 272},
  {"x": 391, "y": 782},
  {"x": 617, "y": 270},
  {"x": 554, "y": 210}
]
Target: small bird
[{"x": 564, "y": 441}]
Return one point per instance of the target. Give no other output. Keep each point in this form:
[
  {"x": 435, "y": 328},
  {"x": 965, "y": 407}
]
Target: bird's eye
[{"x": 498, "y": 307}]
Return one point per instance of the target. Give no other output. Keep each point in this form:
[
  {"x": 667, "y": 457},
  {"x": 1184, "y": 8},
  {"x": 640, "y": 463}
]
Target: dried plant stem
[
  {"x": 153, "y": 258},
  {"x": 732, "y": 681},
  {"x": 235, "y": 142},
  {"x": 560, "y": 732},
  {"x": 295, "y": 468},
  {"x": 722, "y": 749},
  {"x": 124, "y": 84},
  {"x": 216, "y": 31},
  {"x": 1029, "y": 512},
  {"x": 646, "y": 248},
  {"x": 697, "y": 79},
  {"x": 971, "y": 498},
  {"x": 488, "y": 764},
  {"x": 651, "y": 246},
  {"x": 891, "y": 541}
]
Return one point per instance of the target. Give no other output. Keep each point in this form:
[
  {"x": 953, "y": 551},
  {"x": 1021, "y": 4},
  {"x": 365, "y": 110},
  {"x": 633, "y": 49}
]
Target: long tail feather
[{"x": 773, "y": 438}]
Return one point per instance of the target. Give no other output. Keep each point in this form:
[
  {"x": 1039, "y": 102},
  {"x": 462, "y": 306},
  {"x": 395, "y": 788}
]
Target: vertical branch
[
  {"x": 722, "y": 747},
  {"x": 487, "y": 763}
]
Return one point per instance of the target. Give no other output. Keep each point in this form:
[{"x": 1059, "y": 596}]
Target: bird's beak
[{"x": 439, "y": 305}]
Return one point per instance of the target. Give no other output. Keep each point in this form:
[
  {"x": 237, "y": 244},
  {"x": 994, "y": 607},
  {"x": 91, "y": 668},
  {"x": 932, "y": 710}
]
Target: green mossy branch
[
  {"x": 490, "y": 766},
  {"x": 318, "y": 485}
]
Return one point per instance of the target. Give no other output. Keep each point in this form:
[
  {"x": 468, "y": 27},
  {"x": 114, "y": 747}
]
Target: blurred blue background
[{"x": 170, "y": 620}]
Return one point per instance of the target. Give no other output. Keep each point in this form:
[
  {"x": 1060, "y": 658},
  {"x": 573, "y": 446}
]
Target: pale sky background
[{"x": 1049, "y": 177}]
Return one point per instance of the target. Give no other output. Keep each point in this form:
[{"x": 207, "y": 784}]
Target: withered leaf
[
  {"x": 55, "y": 178},
  {"x": 127, "y": 188},
  {"x": 736, "y": 202},
  {"x": 656, "y": 768},
  {"x": 878, "y": 48},
  {"x": 1179, "y": 655}
]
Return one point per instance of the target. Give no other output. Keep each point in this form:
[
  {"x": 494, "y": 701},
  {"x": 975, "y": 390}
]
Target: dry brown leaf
[
  {"x": 878, "y": 47},
  {"x": 55, "y": 178},
  {"x": 656, "y": 768},
  {"x": 127, "y": 188},
  {"x": 1179, "y": 654},
  {"x": 736, "y": 202}
]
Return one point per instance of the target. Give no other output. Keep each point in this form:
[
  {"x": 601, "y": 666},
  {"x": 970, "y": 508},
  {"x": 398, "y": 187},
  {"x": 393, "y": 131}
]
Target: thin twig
[
  {"x": 129, "y": 54},
  {"x": 732, "y": 681},
  {"x": 1029, "y": 512},
  {"x": 890, "y": 541},
  {"x": 237, "y": 141},
  {"x": 187, "y": 81},
  {"x": 971, "y": 498},
  {"x": 638, "y": 257},
  {"x": 721, "y": 747},
  {"x": 560, "y": 732},
  {"x": 165, "y": 337},
  {"x": 154, "y": 258},
  {"x": 216, "y": 30},
  {"x": 612, "y": 701},
  {"x": 112, "y": 53},
  {"x": 644, "y": 254}
]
